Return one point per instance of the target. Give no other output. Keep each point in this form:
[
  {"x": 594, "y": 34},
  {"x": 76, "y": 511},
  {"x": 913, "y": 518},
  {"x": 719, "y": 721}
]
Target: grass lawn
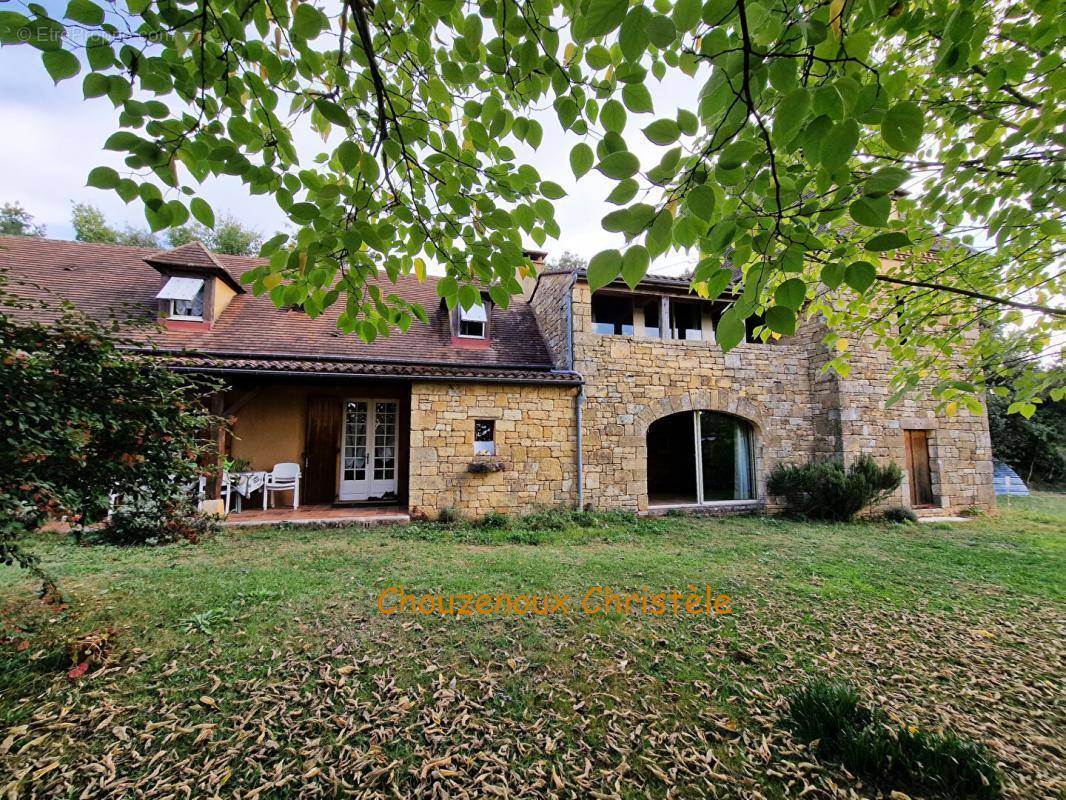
[{"x": 257, "y": 665}]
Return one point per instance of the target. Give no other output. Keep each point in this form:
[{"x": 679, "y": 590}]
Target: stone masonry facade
[
  {"x": 535, "y": 439},
  {"x": 798, "y": 412}
]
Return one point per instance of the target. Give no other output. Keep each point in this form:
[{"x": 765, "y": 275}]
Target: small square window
[
  {"x": 484, "y": 437},
  {"x": 188, "y": 309},
  {"x": 473, "y": 321}
]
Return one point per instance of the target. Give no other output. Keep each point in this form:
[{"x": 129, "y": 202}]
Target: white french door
[{"x": 368, "y": 449}]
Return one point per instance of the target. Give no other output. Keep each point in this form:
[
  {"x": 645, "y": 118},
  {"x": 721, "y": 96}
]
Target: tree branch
[{"x": 1056, "y": 312}]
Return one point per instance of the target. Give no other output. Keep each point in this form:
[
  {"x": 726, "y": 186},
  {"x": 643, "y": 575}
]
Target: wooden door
[
  {"x": 321, "y": 447},
  {"x": 916, "y": 446}
]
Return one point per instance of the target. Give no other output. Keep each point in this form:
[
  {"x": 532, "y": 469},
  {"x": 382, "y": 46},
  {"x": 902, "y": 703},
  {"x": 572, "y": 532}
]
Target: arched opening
[{"x": 700, "y": 458}]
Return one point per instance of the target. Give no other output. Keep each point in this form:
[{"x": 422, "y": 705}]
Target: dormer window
[
  {"x": 183, "y": 299},
  {"x": 473, "y": 321}
]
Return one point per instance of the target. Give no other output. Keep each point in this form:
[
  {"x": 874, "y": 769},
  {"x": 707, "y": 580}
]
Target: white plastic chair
[
  {"x": 229, "y": 491},
  {"x": 196, "y": 488},
  {"x": 283, "y": 478}
]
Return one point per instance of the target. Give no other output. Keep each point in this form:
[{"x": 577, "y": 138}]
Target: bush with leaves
[
  {"x": 830, "y": 716},
  {"x": 900, "y": 515},
  {"x": 227, "y": 235},
  {"x": 1033, "y": 442},
  {"x": 82, "y": 417},
  {"x": 143, "y": 519},
  {"x": 825, "y": 490}
]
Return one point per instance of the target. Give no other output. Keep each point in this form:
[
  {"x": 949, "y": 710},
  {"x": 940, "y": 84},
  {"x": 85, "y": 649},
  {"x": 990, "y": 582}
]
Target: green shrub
[
  {"x": 495, "y": 519},
  {"x": 825, "y": 490},
  {"x": 449, "y": 515},
  {"x": 896, "y": 757},
  {"x": 900, "y": 514},
  {"x": 146, "y": 520},
  {"x": 825, "y": 711},
  {"x": 552, "y": 519}
]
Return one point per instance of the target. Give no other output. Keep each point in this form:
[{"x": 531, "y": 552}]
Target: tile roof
[
  {"x": 679, "y": 283},
  {"x": 350, "y": 369},
  {"x": 193, "y": 257},
  {"x": 101, "y": 279}
]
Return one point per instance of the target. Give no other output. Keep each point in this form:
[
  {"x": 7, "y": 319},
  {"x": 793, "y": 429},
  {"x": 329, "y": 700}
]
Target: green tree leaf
[
  {"x": 202, "y": 212},
  {"x": 871, "y": 211},
  {"x": 791, "y": 293},
  {"x": 633, "y": 38},
  {"x": 552, "y": 190},
  {"x": 625, "y": 191},
  {"x": 686, "y": 14},
  {"x": 661, "y": 30},
  {"x": 781, "y": 320},
  {"x": 885, "y": 180},
  {"x": 613, "y": 116},
  {"x": 60, "y": 64},
  {"x": 635, "y": 265},
  {"x": 700, "y": 201},
  {"x": 637, "y": 98},
  {"x": 888, "y": 241},
  {"x": 617, "y": 166},
  {"x": 604, "y": 268},
  {"x": 832, "y": 274},
  {"x": 839, "y": 145},
  {"x": 308, "y": 22},
  {"x": 85, "y": 12},
  {"x": 95, "y": 85},
  {"x": 860, "y": 275},
  {"x": 730, "y": 330},
  {"x": 581, "y": 159},
  {"x": 102, "y": 178},
  {"x": 903, "y": 126},
  {"x": 600, "y": 18},
  {"x": 663, "y": 132},
  {"x": 333, "y": 112},
  {"x": 790, "y": 113}
]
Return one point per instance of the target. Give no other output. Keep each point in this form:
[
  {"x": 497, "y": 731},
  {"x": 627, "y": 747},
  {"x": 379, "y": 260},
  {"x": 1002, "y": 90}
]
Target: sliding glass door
[{"x": 700, "y": 458}]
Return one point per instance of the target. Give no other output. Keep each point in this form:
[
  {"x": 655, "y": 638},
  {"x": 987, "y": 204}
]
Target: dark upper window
[
  {"x": 750, "y": 325},
  {"x": 686, "y": 320},
  {"x": 485, "y": 437},
  {"x": 612, "y": 314},
  {"x": 658, "y": 316},
  {"x": 473, "y": 321}
]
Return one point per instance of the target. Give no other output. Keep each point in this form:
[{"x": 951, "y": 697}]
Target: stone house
[{"x": 618, "y": 399}]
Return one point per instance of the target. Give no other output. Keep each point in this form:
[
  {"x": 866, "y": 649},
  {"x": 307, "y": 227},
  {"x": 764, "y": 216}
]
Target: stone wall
[
  {"x": 960, "y": 448},
  {"x": 799, "y": 412},
  {"x": 536, "y": 443},
  {"x": 633, "y": 381},
  {"x": 548, "y": 298}
]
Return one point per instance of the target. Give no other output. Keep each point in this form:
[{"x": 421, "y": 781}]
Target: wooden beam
[
  {"x": 241, "y": 401},
  {"x": 218, "y": 448}
]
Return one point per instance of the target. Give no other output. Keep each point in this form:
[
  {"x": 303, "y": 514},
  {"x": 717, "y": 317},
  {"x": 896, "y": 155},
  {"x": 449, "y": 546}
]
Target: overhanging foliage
[{"x": 894, "y": 165}]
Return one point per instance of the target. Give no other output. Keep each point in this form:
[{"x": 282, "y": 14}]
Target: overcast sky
[{"x": 50, "y": 138}]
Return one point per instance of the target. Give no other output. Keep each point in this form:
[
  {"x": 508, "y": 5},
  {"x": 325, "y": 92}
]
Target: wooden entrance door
[
  {"x": 321, "y": 447},
  {"x": 916, "y": 445}
]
